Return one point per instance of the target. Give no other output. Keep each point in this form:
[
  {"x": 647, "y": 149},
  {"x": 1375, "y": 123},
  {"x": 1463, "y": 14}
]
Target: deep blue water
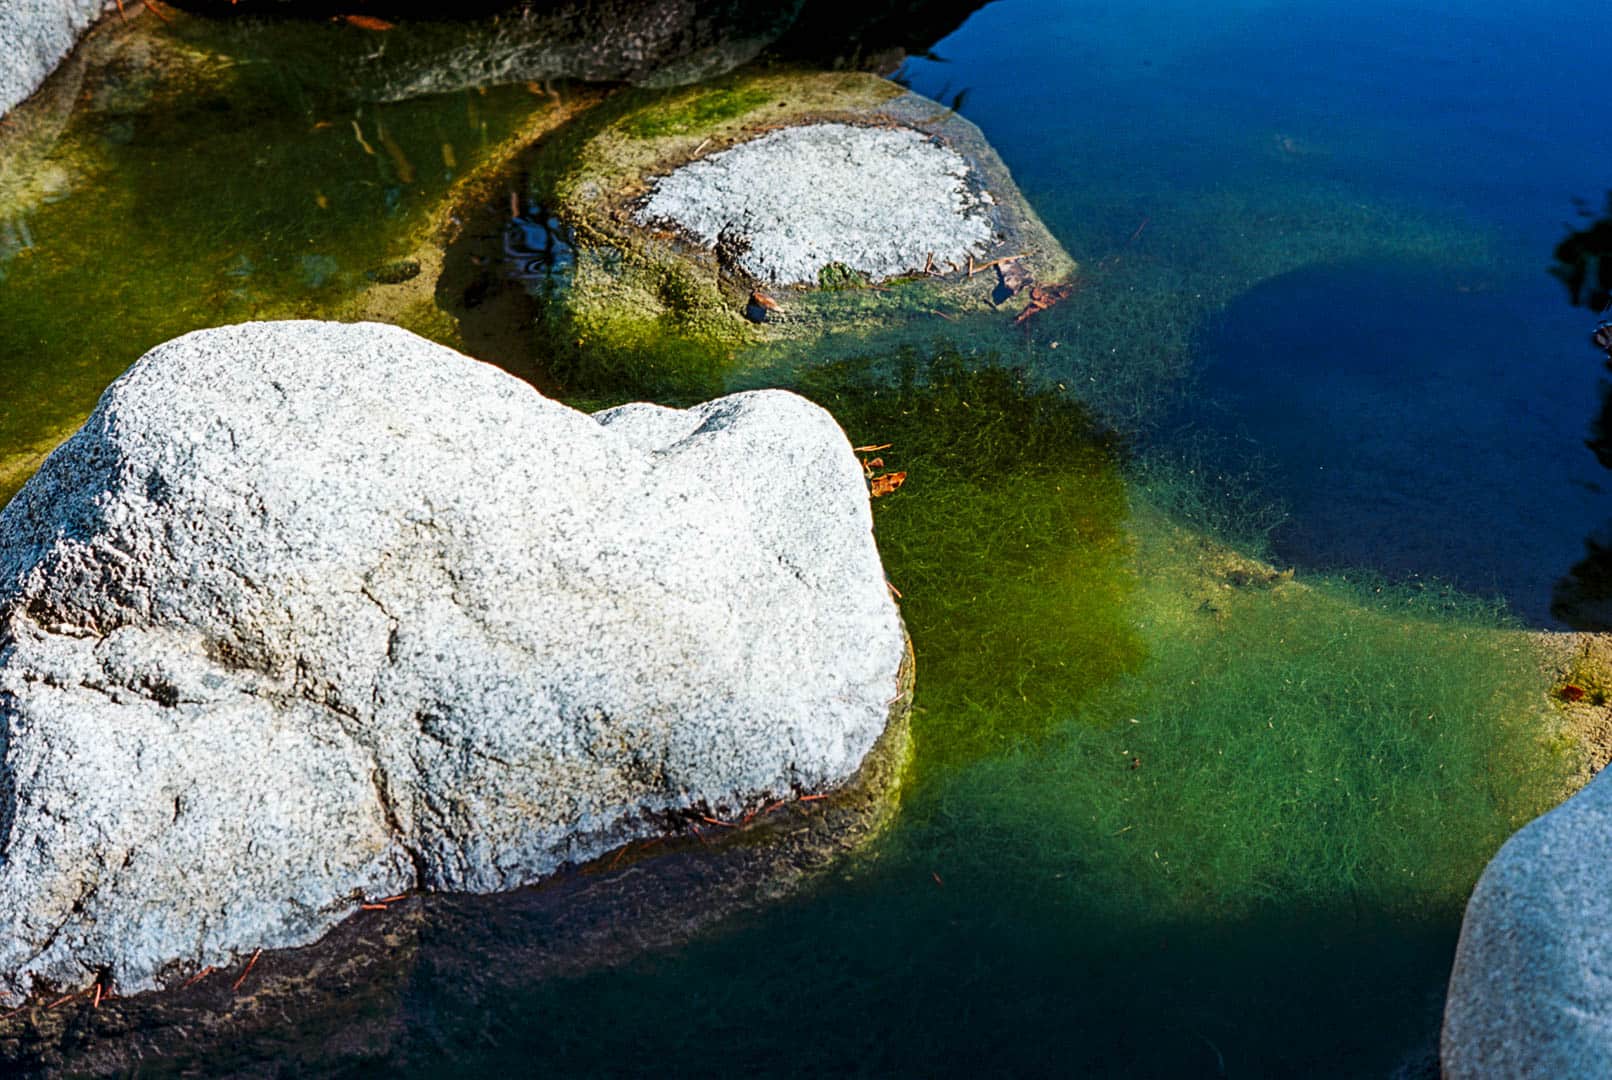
[{"x": 1419, "y": 396}]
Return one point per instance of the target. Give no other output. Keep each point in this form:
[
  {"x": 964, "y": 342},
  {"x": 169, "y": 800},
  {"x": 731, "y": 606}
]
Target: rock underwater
[{"x": 312, "y": 612}]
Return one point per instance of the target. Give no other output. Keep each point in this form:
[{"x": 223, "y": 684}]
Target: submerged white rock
[
  {"x": 880, "y": 200},
  {"x": 1531, "y": 991},
  {"x": 308, "y": 612}
]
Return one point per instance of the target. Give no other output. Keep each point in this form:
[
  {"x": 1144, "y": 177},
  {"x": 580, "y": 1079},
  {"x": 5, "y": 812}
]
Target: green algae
[
  {"x": 1153, "y": 779},
  {"x": 195, "y": 202},
  {"x": 1006, "y": 542},
  {"x": 1168, "y": 806},
  {"x": 616, "y": 311},
  {"x": 697, "y": 111}
]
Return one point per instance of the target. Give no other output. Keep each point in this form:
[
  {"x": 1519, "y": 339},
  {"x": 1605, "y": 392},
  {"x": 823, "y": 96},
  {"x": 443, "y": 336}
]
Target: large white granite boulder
[
  {"x": 35, "y": 36},
  {"x": 1531, "y": 992},
  {"x": 309, "y": 612}
]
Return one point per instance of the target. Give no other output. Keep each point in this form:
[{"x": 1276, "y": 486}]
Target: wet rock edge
[{"x": 346, "y": 999}]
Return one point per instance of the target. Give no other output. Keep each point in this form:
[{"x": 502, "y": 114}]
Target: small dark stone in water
[
  {"x": 395, "y": 273},
  {"x": 760, "y": 307}
]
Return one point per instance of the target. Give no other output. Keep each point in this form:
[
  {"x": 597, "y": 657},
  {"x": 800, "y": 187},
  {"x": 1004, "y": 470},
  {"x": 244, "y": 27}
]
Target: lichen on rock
[
  {"x": 797, "y": 201},
  {"x": 309, "y": 612}
]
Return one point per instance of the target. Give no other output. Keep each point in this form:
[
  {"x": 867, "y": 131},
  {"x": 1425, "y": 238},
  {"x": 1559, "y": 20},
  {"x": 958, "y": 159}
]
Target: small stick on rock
[{"x": 973, "y": 269}]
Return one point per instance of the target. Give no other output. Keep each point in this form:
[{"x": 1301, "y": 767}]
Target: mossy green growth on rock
[
  {"x": 618, "y": 312},
  {"x": 699, "y": 111}
]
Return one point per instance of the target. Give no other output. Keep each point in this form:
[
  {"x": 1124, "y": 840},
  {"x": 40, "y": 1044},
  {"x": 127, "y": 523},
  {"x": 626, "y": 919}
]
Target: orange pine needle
[
  {"x": 811, "y": 798},
  {"x": 250, "y": 964},
  {"x": 96, "y": 1004},
  {"x": 366, "y": 22},
  {"x": 871, "y": 449},
  {"x": 717, "y": 821},
  {"x": 371, "y": 907},
  {"x": 199, "y": 976},
  {"x": 60, "y": 1000},
  {"x": 391, "y": 899}
]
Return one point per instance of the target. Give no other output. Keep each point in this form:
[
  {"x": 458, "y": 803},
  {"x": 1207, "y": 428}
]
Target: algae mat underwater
[{"x": 1171, "y": 813}]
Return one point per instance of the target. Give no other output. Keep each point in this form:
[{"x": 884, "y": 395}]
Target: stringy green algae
[{"x": 1167, "y": 808}]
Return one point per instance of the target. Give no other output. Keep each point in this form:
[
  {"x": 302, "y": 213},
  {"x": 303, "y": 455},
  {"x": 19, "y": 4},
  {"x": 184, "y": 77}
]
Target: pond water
[
  {"x": 1172, "y": 813},
  {"x": 1419, "y": 404}
]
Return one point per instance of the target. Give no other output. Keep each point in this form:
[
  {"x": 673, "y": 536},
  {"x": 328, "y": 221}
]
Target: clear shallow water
[
  {"x": 1169, "y": 816},
  {"x": 1419, "y": 409}
]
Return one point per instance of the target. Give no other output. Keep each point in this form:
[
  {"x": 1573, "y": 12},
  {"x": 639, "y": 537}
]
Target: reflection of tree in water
[{"x": 1583, "y": 598}]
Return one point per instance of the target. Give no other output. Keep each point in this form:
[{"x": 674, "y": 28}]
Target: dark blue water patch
[{"x": 1415, "y": 424}]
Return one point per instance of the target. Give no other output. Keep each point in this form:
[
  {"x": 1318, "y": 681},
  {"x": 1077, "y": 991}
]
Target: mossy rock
[{"x": 654, "y": 306}]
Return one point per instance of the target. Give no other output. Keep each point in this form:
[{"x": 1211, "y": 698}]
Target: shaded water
[{"x": 1171, "y": 814}]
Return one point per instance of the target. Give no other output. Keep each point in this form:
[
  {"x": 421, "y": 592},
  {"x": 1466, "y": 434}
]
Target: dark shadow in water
[
  {"x": 899, "y": 976},
  {"x": 507, "y": 254},
  {"x": 433, "y": 48},
  {"x": 1411, "y": 416},
  {"x": 1582, "y": 599}
]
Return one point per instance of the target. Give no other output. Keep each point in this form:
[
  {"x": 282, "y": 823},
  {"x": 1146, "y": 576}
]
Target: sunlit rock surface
[
  {"x": 1531, "y": 991},
  {"x": 879, "y": 200},
  {"x": 309, "y": 612}
]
